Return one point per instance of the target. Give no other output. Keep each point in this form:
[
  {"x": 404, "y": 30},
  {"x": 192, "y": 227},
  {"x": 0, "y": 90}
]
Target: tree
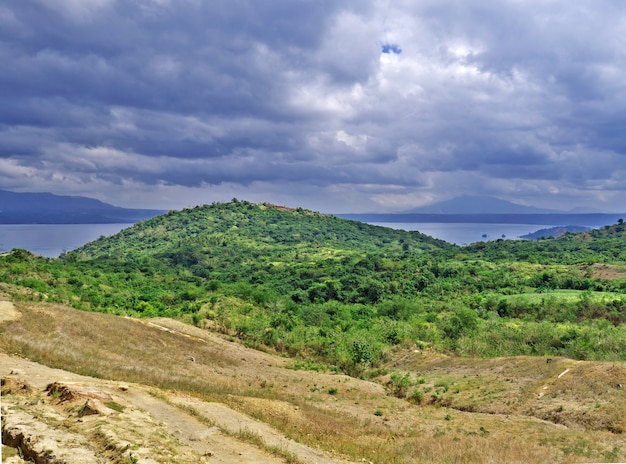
[
  {"x": 461, "y": 322},
  {"x": 362, "y": 352}
]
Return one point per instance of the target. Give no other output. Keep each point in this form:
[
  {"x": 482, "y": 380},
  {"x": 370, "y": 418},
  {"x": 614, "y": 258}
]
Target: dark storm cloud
[
  {"x": 179, "y": 55},
  {"x": 386, "y": 101}
]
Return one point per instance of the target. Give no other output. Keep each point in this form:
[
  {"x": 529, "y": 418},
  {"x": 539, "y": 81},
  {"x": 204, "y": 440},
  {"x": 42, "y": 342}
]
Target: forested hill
[
  {"x": 604, "y": 245},
  {"x": 246, "y": 230},
  {"x": 344, "y": 292}
]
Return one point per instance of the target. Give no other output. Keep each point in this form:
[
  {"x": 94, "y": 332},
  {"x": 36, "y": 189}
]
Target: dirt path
[
  {"x": 235, "y": 422},
  {"x": 207, "y": 439}
]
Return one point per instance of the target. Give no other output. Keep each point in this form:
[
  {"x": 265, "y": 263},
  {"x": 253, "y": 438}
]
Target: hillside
[
  {"x": 554, "y": 232},
  {"x": 47, "y": 208},
  {"x": 356, "y": 341},
  {"x": 605, "y": 244},
  {"x": 88, "y": 387},
  {"x": 286, "y": 250},
  {"x": 245, "y": 225}
]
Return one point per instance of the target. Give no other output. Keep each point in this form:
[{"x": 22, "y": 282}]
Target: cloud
[
  {"x": 77, "y": 10},
  {"x": 386, "y": 104}
]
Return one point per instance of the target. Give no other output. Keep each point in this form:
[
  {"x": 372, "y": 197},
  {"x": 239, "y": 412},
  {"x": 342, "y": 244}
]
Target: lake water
[
  {"x": 466, "y": 233},
  {"x": 51, "y": 240}
]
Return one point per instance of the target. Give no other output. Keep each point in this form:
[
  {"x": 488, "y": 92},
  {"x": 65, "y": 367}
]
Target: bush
[
  {"x": 33, "y": 283},
  {"x": 400, "y": 384},
  {"x": 463, "y": 321},
  {"x": 362, "y": 352},
  {"x": 417, "y": 396}
]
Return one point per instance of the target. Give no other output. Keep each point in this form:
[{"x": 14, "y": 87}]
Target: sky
[{"x": 333, "y": 105}]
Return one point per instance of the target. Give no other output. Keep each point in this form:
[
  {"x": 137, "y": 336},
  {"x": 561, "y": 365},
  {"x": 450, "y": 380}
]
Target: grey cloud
[{"x": 187, "y": 93}]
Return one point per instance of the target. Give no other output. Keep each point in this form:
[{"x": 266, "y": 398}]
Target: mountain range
[
  {"x": 473, "y": 204},
  {"x": 489, "y": 210},
  {"x": 47, "y": 208}
]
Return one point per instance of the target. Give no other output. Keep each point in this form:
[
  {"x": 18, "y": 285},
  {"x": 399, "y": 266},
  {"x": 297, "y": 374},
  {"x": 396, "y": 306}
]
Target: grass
[
  {"x": 115, "y": 406},
  {"x": 8, "y": 452},
  {"x": 127, "y": 350},
  {"x": 561, "y": 296},
  {"x": 251, "y": 437},
  {"x": 486, "y": 409}
]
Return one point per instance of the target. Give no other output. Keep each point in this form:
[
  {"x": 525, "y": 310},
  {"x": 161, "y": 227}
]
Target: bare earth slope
[
  {"x": 86, "y": 419},
  {"x": 83, "y": 418},
  {"x": 87, "y": 387}
]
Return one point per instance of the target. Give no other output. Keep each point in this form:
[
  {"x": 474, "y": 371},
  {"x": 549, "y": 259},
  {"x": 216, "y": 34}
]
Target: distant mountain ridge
[
  {"x": 488, "y": 210},
  {"x": 473, "y": 204},
  {"x": 48, "y": 208}
]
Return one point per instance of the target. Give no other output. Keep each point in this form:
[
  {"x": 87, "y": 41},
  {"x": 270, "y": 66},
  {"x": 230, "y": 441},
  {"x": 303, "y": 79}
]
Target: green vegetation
[{"x": 342, "y": 294}]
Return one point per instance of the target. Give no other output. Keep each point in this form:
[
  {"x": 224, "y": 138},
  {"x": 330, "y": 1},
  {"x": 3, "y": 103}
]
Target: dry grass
[
  {"x": 104, "y": 346},
  {"x": 485, "y": 410},
  {"x": 586, "y": 396},
  {"x": 608, "y": 271}
]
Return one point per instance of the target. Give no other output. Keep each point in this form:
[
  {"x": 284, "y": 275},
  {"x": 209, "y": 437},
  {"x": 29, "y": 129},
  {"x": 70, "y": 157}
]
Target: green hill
[
  {"x": 286, "y": 251},
  {"x": 344, "y": 293},
  {"x": 241, "y": 227}
]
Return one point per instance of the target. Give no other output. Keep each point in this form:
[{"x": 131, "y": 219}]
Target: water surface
[
  {"x": 466, "y": 233},
  {"x": 51, "y": 240}
]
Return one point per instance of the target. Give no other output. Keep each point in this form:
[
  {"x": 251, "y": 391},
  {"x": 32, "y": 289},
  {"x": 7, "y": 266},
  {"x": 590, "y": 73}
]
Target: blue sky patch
[{"x": 392, "y": 48}]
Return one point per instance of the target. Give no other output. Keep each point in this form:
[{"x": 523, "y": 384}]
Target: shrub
[
  {"x": 362, "y": 352},
  {"x": 400, "y": 384},
  {"x": 34, "y": 283},
  {"x": 417, "y": 396}
]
